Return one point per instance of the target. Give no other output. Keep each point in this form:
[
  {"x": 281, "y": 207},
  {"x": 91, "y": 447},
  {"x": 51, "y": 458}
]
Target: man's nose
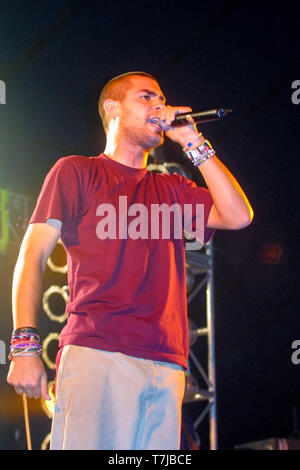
[{"x": 159, "y": 103}]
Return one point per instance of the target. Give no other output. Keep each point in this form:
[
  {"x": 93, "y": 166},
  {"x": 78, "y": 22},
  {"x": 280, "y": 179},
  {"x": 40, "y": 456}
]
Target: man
[{"x": 123, "y": 352}]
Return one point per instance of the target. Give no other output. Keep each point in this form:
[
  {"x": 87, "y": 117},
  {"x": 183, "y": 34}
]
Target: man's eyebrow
[{"x": 153, "y": 93}]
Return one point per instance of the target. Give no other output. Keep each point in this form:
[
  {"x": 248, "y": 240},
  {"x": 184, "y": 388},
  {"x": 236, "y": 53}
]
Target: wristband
[
  {"x": 25, "y": 342},
  {"x": 200, "y": 154},
  {"x": 25, "y": 328}
]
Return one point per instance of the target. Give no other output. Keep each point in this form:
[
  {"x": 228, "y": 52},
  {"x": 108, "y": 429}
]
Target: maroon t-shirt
[{"x": 126, "y": 278}]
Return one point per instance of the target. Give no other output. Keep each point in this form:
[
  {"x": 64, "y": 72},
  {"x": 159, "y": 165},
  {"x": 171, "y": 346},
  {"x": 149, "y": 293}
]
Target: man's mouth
[{"x": 155, "y": 122}]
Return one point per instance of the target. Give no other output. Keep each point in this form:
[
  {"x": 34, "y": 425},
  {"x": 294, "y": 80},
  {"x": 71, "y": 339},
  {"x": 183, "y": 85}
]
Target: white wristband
[{"x": 201, "y": 154}]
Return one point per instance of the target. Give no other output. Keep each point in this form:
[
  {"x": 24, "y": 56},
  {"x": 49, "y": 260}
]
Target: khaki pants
[{"x": 108, "y": 400}]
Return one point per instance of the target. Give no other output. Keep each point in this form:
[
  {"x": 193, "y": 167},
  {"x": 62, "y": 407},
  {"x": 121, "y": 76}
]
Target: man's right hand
[{"x": 27, "y": 375}]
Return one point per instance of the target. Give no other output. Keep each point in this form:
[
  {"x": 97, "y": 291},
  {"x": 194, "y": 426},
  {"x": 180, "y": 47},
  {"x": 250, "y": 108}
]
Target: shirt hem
[{"x": 151, "y": 355}]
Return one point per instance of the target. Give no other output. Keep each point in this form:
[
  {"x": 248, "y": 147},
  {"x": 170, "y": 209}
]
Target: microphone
[{"x": 184, "y": 119}]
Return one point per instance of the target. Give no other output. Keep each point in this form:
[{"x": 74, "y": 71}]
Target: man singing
[{"x": 124, "y": 349}]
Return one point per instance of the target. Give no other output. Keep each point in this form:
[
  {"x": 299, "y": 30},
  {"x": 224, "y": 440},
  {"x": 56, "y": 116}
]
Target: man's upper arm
[{"x": 39, "y": 241}]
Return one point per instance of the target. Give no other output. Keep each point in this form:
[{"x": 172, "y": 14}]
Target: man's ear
[{"x": 111, "y": 108}]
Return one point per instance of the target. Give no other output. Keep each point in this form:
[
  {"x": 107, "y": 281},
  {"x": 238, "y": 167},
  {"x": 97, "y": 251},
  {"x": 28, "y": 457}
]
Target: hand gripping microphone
[{"x": 186, "y": 119}]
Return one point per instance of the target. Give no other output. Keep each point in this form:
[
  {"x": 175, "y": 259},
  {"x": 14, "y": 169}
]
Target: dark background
[{"x": 56, "y": 55}]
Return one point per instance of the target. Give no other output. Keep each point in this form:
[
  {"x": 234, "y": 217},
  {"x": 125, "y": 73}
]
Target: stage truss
[{"x": 200, "y": 265}]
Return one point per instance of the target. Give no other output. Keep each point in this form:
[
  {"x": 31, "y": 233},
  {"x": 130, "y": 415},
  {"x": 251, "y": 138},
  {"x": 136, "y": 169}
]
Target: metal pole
[
  {"x": 211, "y": 350},
  {"x": 26, "y": 419}
]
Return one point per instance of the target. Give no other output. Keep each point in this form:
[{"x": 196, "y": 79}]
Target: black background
[{"x": 56, "y": 55}]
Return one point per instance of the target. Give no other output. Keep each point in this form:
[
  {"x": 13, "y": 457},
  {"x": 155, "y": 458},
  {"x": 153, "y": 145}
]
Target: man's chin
[
  {"x": 154, "y": 143},
  {"x": 159, "y": 141}
]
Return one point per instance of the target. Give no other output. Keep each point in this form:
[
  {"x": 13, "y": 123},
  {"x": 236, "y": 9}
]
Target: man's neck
[{"x": 129, "y": 155}]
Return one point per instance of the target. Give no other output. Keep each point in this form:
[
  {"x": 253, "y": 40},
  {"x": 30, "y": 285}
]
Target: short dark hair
[{"x": 116, "y": 89}]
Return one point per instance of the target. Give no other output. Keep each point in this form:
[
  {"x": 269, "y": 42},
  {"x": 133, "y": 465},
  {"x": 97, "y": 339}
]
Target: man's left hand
[{"x": 183, "y": 134}]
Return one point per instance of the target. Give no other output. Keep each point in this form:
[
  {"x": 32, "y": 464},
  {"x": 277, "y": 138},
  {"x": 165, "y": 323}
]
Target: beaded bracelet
[
  {"x": 25, "y": 329},
  {"x": 200, "y": 154},
  {"x": 25, "y": 342}
]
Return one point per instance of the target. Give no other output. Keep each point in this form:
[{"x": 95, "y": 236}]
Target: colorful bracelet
[
  {"x": 200, "y": 154},
  {"x": 25, "y": 342},
  {"x": 25, "y": 329}
]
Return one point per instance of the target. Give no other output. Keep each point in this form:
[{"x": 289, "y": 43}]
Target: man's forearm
[
  {"x": 27, "y": 290},
  {"x": 229, "y": 199},
  {"x": 231, "y": 208}
]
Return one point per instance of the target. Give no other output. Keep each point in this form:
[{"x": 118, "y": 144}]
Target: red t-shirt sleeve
[{"x": 59, "y": 197}]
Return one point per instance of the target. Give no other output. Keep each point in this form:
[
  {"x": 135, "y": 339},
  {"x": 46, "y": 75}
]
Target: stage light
[
  {"x": 64, "y": 292},
  {"x": 193, "y": 392},
  {"x": 48, "y": 405},
  {"x": 174, "y": 167},
  {"x": 59, "y": 253},
  {"x": 45, "y": 354},
  {"x": 195, "y": 332},
  {"x": 170, "y": 168},
  {"x": 270, "y": 253}
]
